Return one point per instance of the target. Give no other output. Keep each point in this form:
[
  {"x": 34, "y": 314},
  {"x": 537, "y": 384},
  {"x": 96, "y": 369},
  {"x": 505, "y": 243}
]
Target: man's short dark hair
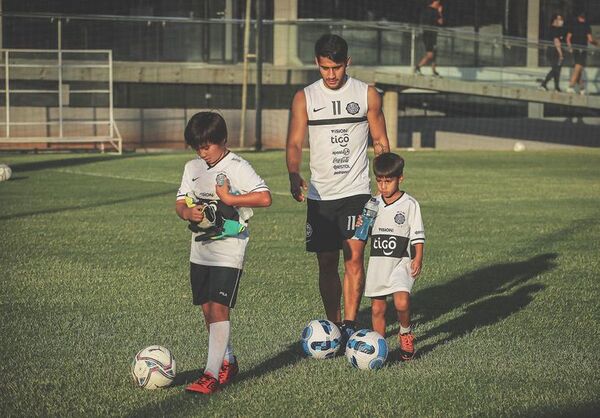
[
  {"x": 388, "y": 164},
  {"x": 205, "y": 128},
  {"x": 333, "y": 47}
]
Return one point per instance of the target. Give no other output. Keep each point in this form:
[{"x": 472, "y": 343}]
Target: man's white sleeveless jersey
[
  {"x": 397, "y": 228},
  {"x": 338, "y": 135},
  {"x": 200, "y": 178}
]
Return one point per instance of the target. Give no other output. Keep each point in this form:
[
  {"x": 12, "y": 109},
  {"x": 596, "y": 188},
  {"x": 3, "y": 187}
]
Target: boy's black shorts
[
  {"x": 330, "y": 222},
  {"x": 214, "y": 284}
]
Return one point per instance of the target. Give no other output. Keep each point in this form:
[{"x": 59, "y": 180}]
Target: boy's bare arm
[
  {"x": 249, "y": 200},
  {"x": 186, "y": 213},
  {"x": 417, "y": 262}
]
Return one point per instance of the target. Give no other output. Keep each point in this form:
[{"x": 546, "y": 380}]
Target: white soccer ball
[
  {"x": 153, "y": 367},
  {"x": 518, "y": 147},
  {"x": 5, "y": 172},
  {"x": 321, "y": 339},
  {"x": 366, "y": 350}
]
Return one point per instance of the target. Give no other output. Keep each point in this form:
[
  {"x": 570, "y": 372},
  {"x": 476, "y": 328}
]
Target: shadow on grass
[
  {"x": 492, "y": 293},
  {"x": 129, "y": 198},
  {"x": 68, "y": 162}
]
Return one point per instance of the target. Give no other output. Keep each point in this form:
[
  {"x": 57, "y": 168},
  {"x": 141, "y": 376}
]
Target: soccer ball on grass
[
  {"x": 366, "y": 350},
  {"x": 5, "y": 172},
  {"x": 153, "y": 367},
  {"x": 321, "y": 339}
]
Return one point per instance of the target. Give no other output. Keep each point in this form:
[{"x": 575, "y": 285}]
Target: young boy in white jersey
[
  {"x": 397, "y": 241},
  {"x": 217, "y": 184}
]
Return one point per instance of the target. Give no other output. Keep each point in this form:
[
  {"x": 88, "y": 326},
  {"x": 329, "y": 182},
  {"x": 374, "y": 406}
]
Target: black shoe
[
  {"x": 436, "y": 74},
  {"x": 557, "y": 89},
  {"x": 417, "y": 71},
  {"x": 347, "y": 328},
  {"x": 543, "y": 87}
]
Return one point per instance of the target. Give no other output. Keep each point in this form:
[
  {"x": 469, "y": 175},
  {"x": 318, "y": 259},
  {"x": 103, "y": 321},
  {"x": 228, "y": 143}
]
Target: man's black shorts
[
  {"x": 214, "y": 284},
  {"x": 330, "y": 222},
  {"x": 579, "y": 57},
  {"x": 429, "y": 41}
]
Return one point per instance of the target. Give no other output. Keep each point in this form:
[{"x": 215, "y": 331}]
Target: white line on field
[{"x": 147, "y": 180}]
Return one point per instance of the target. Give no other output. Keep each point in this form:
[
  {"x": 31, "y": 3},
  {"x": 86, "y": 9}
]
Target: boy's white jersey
[
  {"x": 200, "y": 178},
  {"x": 397, "y": 228},
  {"x": 338, "y": 133}
]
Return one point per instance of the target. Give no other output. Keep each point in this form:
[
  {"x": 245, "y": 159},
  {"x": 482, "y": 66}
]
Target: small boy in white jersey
[
  {"x": 397, "y": 241},
  {"x": 219, "y": 186}
]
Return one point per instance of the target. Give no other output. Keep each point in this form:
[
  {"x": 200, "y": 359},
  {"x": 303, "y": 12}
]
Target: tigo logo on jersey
[{"x": 389, "y": 246}]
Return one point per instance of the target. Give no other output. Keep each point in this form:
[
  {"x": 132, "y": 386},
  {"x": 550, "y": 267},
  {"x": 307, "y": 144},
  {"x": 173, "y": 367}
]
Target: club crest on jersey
[
  {"x": 399, "y": 218},
  {"x": 353, "y": 108}
]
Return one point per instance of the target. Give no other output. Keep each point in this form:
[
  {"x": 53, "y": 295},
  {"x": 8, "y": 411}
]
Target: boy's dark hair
[
  {"x": 388, "y": 164},
  {"x": 205, "y": 128},
  {"x": 333, "y": 47}
]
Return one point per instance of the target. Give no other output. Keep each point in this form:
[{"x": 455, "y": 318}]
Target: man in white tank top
[{"x": 339, "y": 113}]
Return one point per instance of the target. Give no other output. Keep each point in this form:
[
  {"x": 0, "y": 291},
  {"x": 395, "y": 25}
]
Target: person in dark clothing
[
  {"x": 579, "y": 36},
  {"x": 554, "y": 53},
  {"x": 432, "y": 16}
]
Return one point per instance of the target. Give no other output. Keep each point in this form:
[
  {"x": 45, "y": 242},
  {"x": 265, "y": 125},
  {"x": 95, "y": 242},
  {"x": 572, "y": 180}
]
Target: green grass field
[{"x": 94, "y": 267}]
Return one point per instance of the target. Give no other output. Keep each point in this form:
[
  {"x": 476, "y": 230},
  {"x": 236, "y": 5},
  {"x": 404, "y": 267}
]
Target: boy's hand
[
  {"x": 195, "y": 214},
  {"x": 224, "y": 192},
  {"x": 415, "y": 267},
  {"x": 358, "y": 221}
]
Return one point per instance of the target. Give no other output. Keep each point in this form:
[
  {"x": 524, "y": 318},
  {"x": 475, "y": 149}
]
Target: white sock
[
  {"x": 229, "y": 353},
  {"x": 404, "y": 330},
  {"x": 218, "y": 339}
]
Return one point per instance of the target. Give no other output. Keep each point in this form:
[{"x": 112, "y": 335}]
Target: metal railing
[{"x": 219, "y": 41}]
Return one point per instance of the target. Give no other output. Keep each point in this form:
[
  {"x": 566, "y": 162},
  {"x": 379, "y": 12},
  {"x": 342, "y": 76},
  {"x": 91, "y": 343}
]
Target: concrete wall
[{"x": 147, "y": 129}]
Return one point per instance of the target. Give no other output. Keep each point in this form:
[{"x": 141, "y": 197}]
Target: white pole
[
  {"x": 110, "y": 94},
  {"x": 60, "y": 74},
  {"x": 245, "y": 72},
  {"x": 413, "y": 36},
  {"x": 6, "y": 92}
]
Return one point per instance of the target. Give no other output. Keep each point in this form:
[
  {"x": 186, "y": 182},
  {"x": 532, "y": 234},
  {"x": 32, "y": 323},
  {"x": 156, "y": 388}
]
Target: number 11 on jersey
[{"x": 337, "y": 107}]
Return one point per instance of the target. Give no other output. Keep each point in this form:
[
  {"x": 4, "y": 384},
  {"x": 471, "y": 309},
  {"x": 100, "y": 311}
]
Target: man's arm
[
  {"x": 376, "y": 120},
  {"x": 295, "y": 138}
]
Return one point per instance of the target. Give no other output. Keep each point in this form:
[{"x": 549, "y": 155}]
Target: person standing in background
[
  {"x": 579, "y": 36},
  {"x": 432, "y": 16},
  {"x": 554, "y": 53}
]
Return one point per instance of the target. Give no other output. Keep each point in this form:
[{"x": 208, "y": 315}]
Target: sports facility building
[{"x": 129, "y": 74}]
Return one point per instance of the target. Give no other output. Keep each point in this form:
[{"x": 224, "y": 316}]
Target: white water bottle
[{"x": 245, "y": 213}]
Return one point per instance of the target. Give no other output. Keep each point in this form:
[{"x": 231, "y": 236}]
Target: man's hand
[{"x": 297, "y": 186}]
